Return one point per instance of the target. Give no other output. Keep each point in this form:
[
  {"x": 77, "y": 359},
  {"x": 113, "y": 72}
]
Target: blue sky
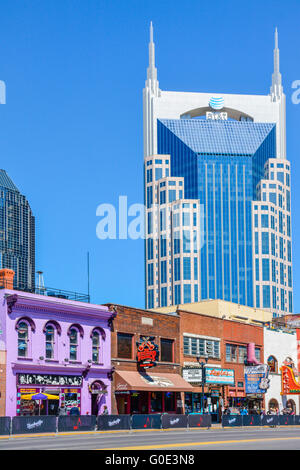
[{"x": 71, "y": 130}]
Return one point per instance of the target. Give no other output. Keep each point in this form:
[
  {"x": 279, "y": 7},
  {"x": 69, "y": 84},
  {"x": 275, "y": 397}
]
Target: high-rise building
[
  {"x": 217, "y": 196},
  {"x": 17, "y": 234}
]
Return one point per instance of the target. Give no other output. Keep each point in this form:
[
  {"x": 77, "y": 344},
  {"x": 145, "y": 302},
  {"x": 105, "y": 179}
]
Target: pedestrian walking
[
  {"x": 74, "y": 411},
  {"x": 62, "y": 410}
]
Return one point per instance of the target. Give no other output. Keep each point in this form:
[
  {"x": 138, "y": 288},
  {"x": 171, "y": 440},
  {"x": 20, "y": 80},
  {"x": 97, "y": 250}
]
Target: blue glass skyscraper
[
  {"x": 17, "y": 234},
  {"x": 215, "y": 152}
]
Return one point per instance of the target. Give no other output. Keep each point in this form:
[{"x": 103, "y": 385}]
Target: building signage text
[
  {"x": 147, "y": 352},
  {"x": 41, "y": 379},
  {"x": 256, "y": 379},
  {"x": 213, "y": 375},
  {"x": 216, "y": 116}
]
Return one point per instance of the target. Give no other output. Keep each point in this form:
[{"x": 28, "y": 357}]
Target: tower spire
[
  {"x": 151, "y": 70},
  {"x": 276, "y": 88}
]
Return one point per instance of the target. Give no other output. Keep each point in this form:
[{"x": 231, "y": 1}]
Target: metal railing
[{"x": 46, "y": 291}]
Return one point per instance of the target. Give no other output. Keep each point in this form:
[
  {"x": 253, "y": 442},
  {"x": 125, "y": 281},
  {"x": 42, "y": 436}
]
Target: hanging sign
[
  {"x": 289, "y": 386},
  {"x": 257, "y": 379},
  {"x": 147, "y": 352}
]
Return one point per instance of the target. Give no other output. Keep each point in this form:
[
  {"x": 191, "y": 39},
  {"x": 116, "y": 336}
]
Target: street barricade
[
  {"x": 297, "y": 420},
  {"x": 251, "y": 420},
  {"x": 113, "y": 422},
  {"x": 174, "y": 421},
  {"x": 286, "y": 420},
  {"x": 270, "y": 420},
  {"x": 199, "y": 421},
  {"x": 5, "y": 425},
  {"x": 33, "y": 424},
  {"x": 232, "y": 420},
  {"x": 76, "y": 423},
  {"x": 146, "y": 421}
]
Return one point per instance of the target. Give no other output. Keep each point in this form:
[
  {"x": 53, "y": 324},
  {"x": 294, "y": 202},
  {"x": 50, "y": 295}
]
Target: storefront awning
[{"x": 127, "y": 380}]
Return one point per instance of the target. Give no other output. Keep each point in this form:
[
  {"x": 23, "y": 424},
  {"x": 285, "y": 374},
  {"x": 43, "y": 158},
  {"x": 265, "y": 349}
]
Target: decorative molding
[
  {"x": 79, "y": 328},
  {"x": 27, "y": 320},
  {"x": 11, "y": 300},
  {"x": 46, "y": 305},
  {"x": 100, "y": 330},
  {"x": 113, "y": 309},
  {"x": 53, "y": 323},
  {"x": 111, "y": 373}
]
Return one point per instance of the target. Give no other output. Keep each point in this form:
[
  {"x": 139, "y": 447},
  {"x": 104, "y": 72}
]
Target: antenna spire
[
  {"x": 276, "y": 88},
  {"x": 152, "y": 82}
]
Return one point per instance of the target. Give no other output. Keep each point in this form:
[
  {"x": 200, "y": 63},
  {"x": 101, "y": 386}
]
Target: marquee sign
[
  {"x": 42, "y": 379},
  {"x": 289, "y": 386},
  {"x": 213, "y": 375},
  {"x": 147, "y": 352}
]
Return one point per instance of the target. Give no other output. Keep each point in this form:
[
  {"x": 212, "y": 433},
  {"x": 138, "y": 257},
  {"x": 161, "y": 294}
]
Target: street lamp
[{"x": 202, "y": 365}]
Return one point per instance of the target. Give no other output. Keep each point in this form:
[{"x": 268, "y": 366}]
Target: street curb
[
  {"x": 76, "y": 433},
  {"x": 123, "y": 431}
]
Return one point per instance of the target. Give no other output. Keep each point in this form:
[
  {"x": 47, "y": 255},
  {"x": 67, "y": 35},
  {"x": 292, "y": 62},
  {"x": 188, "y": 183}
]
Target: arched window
[
  {"x": 273, "y": 404},
  {"x": 23, "y": 338},
  {"x": 273, "y": 364},
  {"x": 50, "y": 341},
  {"x": 51, "y": 329},
  {"x": 96, "y": 346},
  {"x": 74, "y": 346},
  {"x": 291, "y": 404}
]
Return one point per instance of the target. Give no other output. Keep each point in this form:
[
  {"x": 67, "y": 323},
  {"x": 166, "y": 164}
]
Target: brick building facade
[
  {"x": 224, "y": 342},
  {"x": 154, "y": 389}
]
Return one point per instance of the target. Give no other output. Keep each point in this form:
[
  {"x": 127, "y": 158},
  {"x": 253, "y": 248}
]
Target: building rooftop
[
  {"x": 48, "y": 292},
  {"x": 222, "y": 309},
  {"x": 220, "y": 137},
  {"x": 6, "y": 182}
]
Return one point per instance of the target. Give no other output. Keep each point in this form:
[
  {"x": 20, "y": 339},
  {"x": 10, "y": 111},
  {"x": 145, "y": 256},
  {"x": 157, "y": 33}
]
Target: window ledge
[{"x": 20, "y": 358}]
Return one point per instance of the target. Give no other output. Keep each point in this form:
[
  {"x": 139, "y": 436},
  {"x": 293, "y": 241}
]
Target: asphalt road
[{"x": 214, "y": 439}]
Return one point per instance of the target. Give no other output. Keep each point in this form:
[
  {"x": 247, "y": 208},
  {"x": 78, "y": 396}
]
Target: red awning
[{"x": 127, "y": 380}]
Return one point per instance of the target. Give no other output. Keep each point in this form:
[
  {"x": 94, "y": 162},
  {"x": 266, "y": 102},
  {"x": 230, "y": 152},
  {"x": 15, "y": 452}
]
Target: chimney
[{"x": 7, "y": 278}]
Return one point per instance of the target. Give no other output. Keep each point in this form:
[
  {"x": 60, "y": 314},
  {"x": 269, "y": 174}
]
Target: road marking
[{"x": 208, "y": 443}]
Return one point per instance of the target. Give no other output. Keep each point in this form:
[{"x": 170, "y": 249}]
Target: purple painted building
[{"x": 54, "y": 346}]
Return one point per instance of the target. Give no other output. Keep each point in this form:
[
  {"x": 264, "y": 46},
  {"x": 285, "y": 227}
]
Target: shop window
[
  {"x": 201, "y": 347},
  {"x": 124, "y": 345},
  {"x": 73, "y": 344},
  {"x": 23, "y": 339},
  {"x": 291, "y": 404},
  {"x": 257, "y": 354},
  {"x": 96, "y": 347},
  {"x": 273, "y": 364},
  {"x": 156, "y": 402},
  {"x": 170, "y": 401},
  {"x": 231, "y": 353},
  {"x": 50, "y": 341},
  {"x": 166, "y": 346},
  {"x": 273, "y": 404},
  {"x": 242, "y": 354}
]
